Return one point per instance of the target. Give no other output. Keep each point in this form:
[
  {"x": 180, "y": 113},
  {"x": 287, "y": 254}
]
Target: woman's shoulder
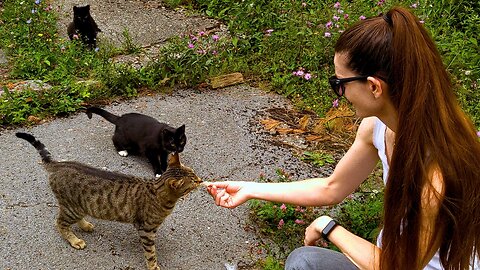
[{"x": 367, "y": 128}]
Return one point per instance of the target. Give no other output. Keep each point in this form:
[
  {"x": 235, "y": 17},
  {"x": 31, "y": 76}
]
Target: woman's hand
[
  {"x": 229, "y": 194},
  {"x": 313, "y": 233}
]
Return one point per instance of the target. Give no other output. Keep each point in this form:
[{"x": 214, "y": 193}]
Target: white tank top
[{"x": 379, "y": 142}]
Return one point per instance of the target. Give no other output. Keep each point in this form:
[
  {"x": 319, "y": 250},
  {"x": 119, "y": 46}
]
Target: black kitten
[
  {"x": 84, "y": 26},
  {"x": 141, "y": 134}
]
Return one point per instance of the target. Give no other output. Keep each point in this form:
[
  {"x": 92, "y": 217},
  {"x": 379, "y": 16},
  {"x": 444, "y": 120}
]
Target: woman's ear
[{"x": 376, "y": 86}]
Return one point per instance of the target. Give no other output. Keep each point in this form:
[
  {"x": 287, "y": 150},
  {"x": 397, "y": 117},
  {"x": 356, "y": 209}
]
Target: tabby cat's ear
[{"x": 174, "y": 160}]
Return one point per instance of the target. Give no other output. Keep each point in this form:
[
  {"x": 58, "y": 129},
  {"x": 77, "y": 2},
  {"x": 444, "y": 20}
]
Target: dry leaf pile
[{"x": 306, "y": 130}]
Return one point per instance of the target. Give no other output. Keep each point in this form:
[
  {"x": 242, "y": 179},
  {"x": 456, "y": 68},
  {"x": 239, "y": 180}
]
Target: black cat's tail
[
  {"x": 108, "y": 116},
  {"x": 46, "y": 156}
]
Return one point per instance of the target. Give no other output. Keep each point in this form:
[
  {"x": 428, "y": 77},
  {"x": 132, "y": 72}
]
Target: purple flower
[
  {"x": 214, "y": 52},
  {"x": 478, "y": 133},
  {"x": 328, "y": 34},
  {"x": 283, "y": 207},
  {"x": 300, "y": 73},
  {"x": 37, "y": 2},
  {"x": 29, "y": 21},
  {"x": 414, "y": 5},
  {"x": 268, "y": 32},
  {"x": 335, "y": 103},
  {"x": 337, "y": 5},
  {"x": 33, "y": 11},
  {"x": 362, "y": 17},
  {"x": 201, "y": 33},
  {"x": 329, "y": 24},
  {"x": 280, "y": 223},
  {"x": 307, "y": 76},
  {"x": 294, "y": 73},
  {"x": 194, "y": 38},
  {"x": 345, "y": 16},
  {"x": 336, "y": 18},
  {"x": 215, "y": 37},
  {"x": 97, "y": 49},
  {"x": 191, "y": 46}
]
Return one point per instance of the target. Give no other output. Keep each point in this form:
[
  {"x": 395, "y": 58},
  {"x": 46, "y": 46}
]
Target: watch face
[{"x": 326, "y": 231}]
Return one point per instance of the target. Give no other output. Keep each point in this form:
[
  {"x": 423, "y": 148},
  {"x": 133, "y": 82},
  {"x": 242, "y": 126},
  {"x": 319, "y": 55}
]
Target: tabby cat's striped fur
[{"x": 82, "y": 190}]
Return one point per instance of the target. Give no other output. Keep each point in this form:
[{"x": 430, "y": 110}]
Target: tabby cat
[
  {"x": 82, "y": 190},
  {"x": 138, "y": 133},
  {"x": 84, "y": 26}
]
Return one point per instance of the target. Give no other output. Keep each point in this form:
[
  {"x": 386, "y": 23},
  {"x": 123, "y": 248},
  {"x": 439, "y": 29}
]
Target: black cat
[
  {"x": 141, "y": 134},
  {"x": 83, "y": 26}
]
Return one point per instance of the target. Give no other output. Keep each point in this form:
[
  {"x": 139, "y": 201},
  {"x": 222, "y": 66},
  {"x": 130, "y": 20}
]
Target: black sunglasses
[{"x": 337, "y": 84}]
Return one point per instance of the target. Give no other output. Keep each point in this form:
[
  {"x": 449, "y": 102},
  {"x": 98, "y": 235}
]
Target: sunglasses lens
[{"x": 336, "y": 86}]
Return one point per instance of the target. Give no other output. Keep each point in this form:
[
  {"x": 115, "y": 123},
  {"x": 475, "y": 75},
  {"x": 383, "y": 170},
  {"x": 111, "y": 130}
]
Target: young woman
[{"x": 390, "y": 70}]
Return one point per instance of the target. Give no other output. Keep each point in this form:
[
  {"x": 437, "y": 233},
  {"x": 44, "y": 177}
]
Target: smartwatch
[{"x": 328, "y": 229}]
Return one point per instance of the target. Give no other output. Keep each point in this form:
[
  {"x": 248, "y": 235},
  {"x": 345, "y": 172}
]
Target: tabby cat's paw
[
  {"x": 78, "y": 244},
  {"x": 85, "y": 226},
  {"x": 123, "y": 153}
]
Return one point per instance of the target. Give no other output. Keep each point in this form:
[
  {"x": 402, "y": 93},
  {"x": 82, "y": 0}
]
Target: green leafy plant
[{"x": 318, "y": 158}]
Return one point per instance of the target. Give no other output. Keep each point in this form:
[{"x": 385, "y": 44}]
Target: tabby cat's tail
[
  {"x": 108, "y": 116},
  {"x": 46, "y": 156}
]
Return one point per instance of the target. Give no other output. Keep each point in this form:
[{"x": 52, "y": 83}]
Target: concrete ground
[{"x": 225, "y": 141}]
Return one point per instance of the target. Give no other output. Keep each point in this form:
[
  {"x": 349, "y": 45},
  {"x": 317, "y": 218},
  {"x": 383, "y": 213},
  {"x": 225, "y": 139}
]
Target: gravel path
[{"x": 225, "y": 141}]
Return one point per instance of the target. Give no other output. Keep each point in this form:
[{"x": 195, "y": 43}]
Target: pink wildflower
[
  {"x": 283, "y": 207},
  {"x": 201, "y": 33},
  {"x": 214, "y": 52},
  {"x": 300, "y": 73},
  {"x": 193, "y": 38},
  {"x": 328, "y": 34},
  {"x": 337, "y": 5},
  {"x": 304, "y": 4},
  {"x": 414, "y": 5},
  {"x": 299, "y": 221},
  {"x": 329, "y": 24},
  {"x": 268, "y": 32},
  {"x": 215, "y": 37},
  {"x": 362, "y": 17},
  {"x": 336, "y": 18},
  {"x": 345, "y": 16},
  {"x": 75, "y": 36},
  {"x": 307, "y": 76},
  {"x": 280, "y": 223},
  {"x": 335, "y": 103},
  {"x": 478, "y": 133},
  {"x": 191, "y": 46}
]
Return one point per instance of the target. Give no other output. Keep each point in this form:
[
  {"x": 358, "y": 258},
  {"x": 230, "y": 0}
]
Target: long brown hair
[{"x": 433, "y": 132}]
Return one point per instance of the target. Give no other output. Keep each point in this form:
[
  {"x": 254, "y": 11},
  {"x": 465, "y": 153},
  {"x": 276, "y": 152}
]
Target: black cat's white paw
[
  {"x": 157, "y": 175},
  {"x": 123, "y": 153}
]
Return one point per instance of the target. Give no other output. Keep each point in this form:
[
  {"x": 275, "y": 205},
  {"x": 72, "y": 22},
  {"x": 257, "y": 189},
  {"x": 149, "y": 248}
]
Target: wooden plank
[{"x": 226, "y": 80}]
